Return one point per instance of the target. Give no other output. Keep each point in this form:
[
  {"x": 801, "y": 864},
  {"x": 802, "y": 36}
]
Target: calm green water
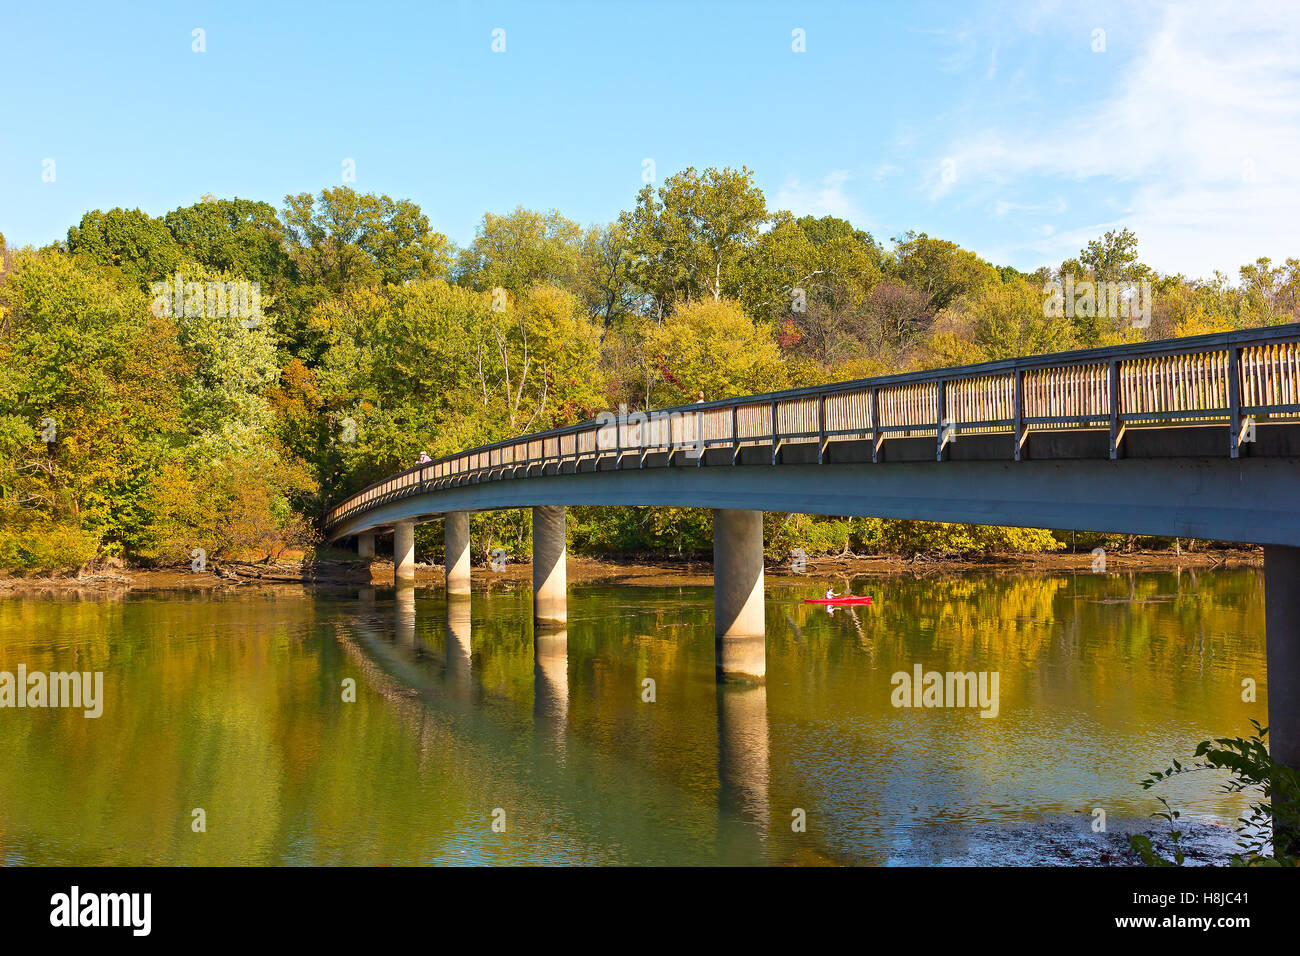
[{"x": 234, "y": 704}]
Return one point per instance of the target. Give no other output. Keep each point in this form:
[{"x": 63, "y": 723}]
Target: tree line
[{"x": 149, "y": 405}]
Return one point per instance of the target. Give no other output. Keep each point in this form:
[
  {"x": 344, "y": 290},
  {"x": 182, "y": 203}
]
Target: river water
[{"x": 226, "y": 737}]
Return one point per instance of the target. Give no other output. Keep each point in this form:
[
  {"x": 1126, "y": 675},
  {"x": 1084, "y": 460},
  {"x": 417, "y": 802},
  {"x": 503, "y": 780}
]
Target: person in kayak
[{"x": 830, "y": 593}]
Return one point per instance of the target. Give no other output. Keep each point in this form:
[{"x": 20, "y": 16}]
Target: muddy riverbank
[{"x": 339, "y": 570}]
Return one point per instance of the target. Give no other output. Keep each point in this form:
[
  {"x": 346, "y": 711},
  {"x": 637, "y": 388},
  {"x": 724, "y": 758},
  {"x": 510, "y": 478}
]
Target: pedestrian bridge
[{"x": 1194, "y": 437}]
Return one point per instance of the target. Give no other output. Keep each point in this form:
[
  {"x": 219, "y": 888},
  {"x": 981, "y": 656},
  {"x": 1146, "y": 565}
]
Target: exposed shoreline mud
[
  {"x": 1065, "y": 839},
  {"x": 342, "y": 571}
]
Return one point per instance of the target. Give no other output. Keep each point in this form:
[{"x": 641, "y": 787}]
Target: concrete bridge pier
[
  {"x": 404, "y": 551},
  {"x": 1282, "y": 636},
  {"x": 550, "y": 586},
  {"x": 455, "y": 528},
  {"x": 366, "y": 544},
  {"x": 738, "y": 621}
]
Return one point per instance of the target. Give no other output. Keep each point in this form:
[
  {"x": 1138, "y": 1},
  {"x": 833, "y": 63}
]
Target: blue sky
[{"x": 1015, "y": 129}]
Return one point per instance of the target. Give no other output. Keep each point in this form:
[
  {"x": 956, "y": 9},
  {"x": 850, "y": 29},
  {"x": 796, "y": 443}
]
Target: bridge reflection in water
[
  {"x": 1102, "y": 676},
  {"x": 405, "y": 653}
]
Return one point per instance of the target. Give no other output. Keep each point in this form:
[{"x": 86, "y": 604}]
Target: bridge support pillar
[
  {"x": 1282, "y": 636},
  {"x": 366, "y": 544},
  {"x": 550, "y": 586},
  {"x": 738, "y": 622},
  {"x": 404, "y": 551},
  {"x": 456, "y": 537},
  {"x": 1282, "y": 633}
]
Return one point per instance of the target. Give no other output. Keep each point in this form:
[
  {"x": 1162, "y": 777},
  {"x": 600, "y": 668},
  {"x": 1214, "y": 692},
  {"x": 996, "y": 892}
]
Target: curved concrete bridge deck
[{"x": 1196, "y": 437}]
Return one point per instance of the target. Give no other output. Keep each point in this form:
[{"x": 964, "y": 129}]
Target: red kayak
[{"x": 846, "y": 599}]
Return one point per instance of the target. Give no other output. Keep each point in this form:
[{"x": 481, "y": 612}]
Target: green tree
[
  {"x": 398, "y": 375},
  {"x": 816, "y": 277},
  {"x": 689, "y": 237},
  {"x": 238, "y": 237},
  {"x": 141, "y": 246},
  {"x": 1113, "y": 257},
  {"x": 1271, "y": 295},
  {"x": 343, "y": 238},
  {"x": 942, "y": 270},
  {"x": 548, "y": 369},
  {"x": 710, "y": 347},
  {"x": 520, "y": 249},
  {"x": 603, "y": 280},
  {"x": 84, "y": 361},
  {"x": 233, "y": 364},
  {"x": 1009, "y": 319},
  {"x": 831, "y": 229},
  {"x": 778, "y": 271}
]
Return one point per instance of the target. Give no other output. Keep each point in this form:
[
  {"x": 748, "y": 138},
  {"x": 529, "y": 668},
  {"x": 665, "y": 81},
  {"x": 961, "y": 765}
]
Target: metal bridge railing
[{"x": 1220, "y": 379}]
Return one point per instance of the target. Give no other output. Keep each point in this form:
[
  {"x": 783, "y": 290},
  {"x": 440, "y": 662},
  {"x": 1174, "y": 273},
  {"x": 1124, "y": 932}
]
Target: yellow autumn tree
[{"x": 711, "y": 347}]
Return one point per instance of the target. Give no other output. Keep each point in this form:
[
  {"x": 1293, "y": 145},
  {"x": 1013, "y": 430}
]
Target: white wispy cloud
[
  {"x": 1003, "y": 206},
  {"x": 827, "y": 198},
  {"x": 1200, "y": 136}
]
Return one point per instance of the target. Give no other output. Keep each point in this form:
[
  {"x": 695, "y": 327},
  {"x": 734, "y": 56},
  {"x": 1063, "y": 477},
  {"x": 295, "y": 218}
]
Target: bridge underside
[{"x": 1250, "y": 500}]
